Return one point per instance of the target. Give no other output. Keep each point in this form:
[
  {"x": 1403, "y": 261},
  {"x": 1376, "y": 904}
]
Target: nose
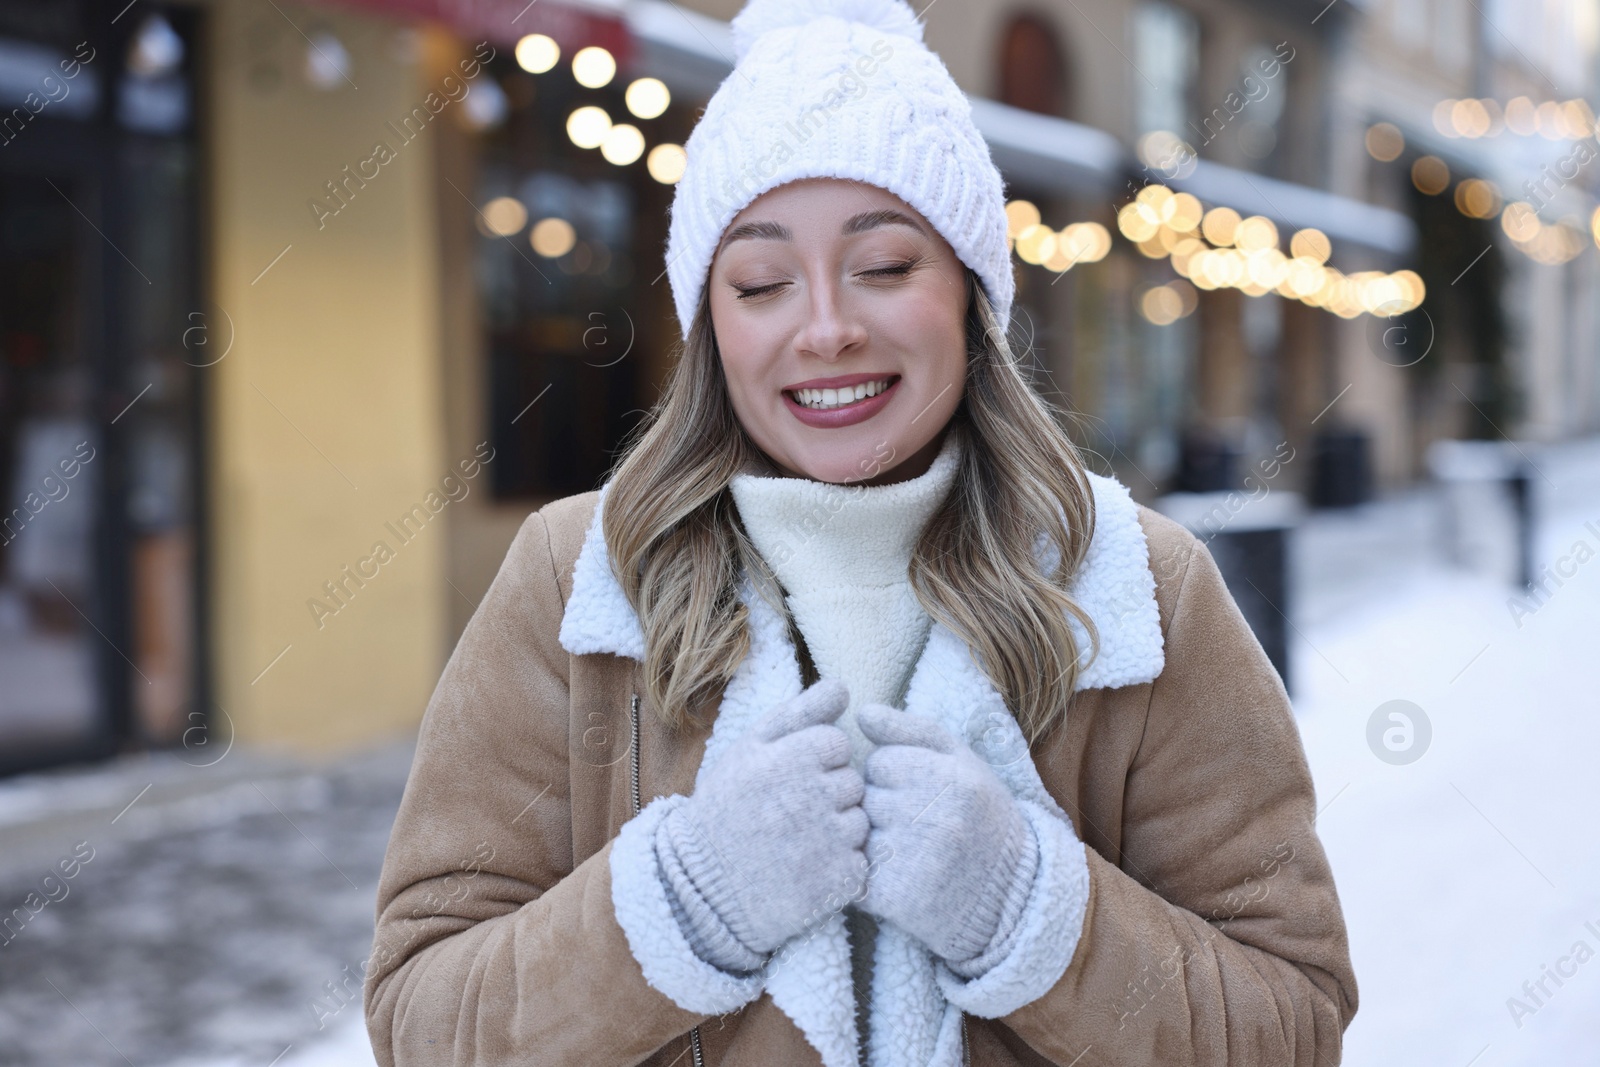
[{"x": 832, "y": 327}]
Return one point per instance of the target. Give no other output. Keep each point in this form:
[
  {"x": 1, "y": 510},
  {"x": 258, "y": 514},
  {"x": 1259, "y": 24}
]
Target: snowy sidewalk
[
  {"x": 192, "y": 915},
  {"x": 1470, "y": 878}
]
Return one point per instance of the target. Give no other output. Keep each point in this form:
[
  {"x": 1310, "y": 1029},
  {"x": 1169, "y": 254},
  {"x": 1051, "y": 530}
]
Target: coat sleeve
[
  {"x": 491, "y": 946},
  {"x": 1218, "y": 939}
]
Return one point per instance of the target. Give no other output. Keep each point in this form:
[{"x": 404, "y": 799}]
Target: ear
[{"x": 883, "y": 725}]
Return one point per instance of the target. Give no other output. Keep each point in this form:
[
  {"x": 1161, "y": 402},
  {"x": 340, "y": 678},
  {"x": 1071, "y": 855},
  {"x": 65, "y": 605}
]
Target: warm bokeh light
[
  {"x": 1267, "y": 267},
  {"x": 666, "y": 163},
  {"x": 1237, "y": 253},
  {"x": 1161, "y": 305},
  {"x": 552, "y": 237},
  {"x": 1186, "y": 213},
  {"x": 647, "y": 98},
  {"x": 1469, "y": 118},
  {"x": 1579, "y": 119},
  {"x": 1520, "y": 116},
  {"x": 1430, "y": 175},
  {"x": 1020, "y": 214},
  {"x": 1086, "y": 242},
  {"x": 1550, "y": 120},
  {"x": 1255, "y": 234},
  {"x": 1442, "y": 112},
  {"x": 1160, "y": 200},
  {"x": 1555, "y": 120},
  {"x": 1520, "y": 221},
  {"x": 1036, "y": 243},
  {"x": 1553, "y": 244},
  {"x": 1219, "y": 225},
  {"x": 537, "y": 53},
  {"x": 1385, "y": 142},
  {"x": 1165, "y": 151},
  {"x": 1311, "y": 243},
  {"x": 504, "y": 216},
  {"x": 623, "y": 144},
  {"x": 593, "y": 67},
  {"x": 1138, "y": 221},
  {"x": 1478, "y": 199},
  {"x": 1305, "y": 275},
  {"x": 588, "y": 126}
]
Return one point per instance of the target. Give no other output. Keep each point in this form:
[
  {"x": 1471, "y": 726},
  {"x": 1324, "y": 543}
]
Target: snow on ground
[
  {"x": 343, "y": 1044},
  {"x": 1474, "y": 869}
]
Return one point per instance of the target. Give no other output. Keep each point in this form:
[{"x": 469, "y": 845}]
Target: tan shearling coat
[{"x": 1213, "y": 932}]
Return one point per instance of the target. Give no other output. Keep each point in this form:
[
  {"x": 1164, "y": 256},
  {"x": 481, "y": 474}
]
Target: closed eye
[
  {"x": 898, "y": 270},
  {"x": 745, "y": 294}
]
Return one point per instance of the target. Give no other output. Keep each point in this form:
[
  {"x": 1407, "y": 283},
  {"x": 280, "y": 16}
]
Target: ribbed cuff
[
  {"x": 1046, "y": 935},
  {"x": 704, "y": 929},
  {"x": 1011, "y": 910},
  {"x": 643, "y": 910}
]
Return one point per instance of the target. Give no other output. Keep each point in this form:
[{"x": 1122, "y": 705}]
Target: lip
[{"x": 834, "y": 418}]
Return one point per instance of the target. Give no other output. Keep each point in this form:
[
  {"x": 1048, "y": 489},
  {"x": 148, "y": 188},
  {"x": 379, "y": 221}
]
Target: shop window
[
  {"x": 568, "y": 242},
  {"x": 100, "y": 555}
]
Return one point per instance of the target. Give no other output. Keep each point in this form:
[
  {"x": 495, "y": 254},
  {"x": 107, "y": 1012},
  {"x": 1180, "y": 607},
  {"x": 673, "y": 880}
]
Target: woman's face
[{"x": 823, "y": 284}]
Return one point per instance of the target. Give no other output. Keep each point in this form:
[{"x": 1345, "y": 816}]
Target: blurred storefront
[
  {"x": 313, "y": 350},
  {"x": 101, "y": 632}
]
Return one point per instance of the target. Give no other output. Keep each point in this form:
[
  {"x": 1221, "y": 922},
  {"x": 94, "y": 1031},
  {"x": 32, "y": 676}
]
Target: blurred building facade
[{"x": 312, "y": 303}]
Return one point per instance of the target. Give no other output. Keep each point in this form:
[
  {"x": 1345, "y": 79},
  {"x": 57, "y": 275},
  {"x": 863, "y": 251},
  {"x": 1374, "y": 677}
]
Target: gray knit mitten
[
  {"x": 773, "y": 831},
  {"x": 960, "y": 854}
]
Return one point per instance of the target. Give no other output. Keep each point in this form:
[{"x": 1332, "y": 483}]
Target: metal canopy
[
  {"x": 1300, "y": 206},
  {"x": 693, "y": 53}
]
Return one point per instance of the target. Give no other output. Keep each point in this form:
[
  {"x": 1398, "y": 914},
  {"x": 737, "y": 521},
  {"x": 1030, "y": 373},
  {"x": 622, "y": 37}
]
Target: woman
[{"x": 853, "y": 721}]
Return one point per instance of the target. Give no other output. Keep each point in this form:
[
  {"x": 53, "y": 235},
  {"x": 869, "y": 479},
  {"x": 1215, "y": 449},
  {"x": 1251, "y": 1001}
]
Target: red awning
[{"x": 504, "y": 22}]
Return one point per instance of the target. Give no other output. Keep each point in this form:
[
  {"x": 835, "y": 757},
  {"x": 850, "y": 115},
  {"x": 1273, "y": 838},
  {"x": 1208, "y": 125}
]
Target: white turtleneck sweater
[{"x": 843, "y": 553}]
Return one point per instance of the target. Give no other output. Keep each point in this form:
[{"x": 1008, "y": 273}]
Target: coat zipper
[
  {"x": 633, "y": 791},
  {"x": 966, "y": 1049}
]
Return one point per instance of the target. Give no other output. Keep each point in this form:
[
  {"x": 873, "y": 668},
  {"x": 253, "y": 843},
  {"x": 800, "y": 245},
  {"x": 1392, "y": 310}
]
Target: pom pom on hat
[{"x": 761, "y": 16}]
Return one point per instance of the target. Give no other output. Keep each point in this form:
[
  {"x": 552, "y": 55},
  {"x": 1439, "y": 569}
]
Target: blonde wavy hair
[{"x": 678, "y": 548}]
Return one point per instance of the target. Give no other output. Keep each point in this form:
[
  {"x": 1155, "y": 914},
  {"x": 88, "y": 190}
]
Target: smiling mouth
[{"x": 829, "y": 399}]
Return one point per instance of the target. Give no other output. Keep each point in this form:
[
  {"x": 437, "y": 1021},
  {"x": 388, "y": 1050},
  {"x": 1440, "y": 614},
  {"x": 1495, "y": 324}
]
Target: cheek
[
  {"x": 935, "y": 326},
  {"x": 742, "y": 366}
]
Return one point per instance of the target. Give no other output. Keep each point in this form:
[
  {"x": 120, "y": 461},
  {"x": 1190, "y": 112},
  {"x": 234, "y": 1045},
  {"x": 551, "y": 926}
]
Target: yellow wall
[{"x": 325, "y": 416}]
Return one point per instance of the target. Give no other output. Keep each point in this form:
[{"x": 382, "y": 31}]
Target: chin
[{"x": 849, "y": 463}]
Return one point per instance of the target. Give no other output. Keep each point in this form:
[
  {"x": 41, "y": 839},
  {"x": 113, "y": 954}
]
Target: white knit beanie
[{"x": 841, "y": 89}]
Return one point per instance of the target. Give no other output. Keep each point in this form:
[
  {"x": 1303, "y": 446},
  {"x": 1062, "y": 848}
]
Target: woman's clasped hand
[
  {"x": 778, "y": 833},
  {"x": 772, "y": 831},
  {"x": 962, "y": 854}
]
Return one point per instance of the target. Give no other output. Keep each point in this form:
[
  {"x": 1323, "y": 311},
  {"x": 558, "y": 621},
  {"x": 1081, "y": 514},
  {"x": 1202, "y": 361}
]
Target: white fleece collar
[
  {"x": 1114, "y": 584},
  {"x": 916, "y": 1000},
  {"x": 843, "y": 555}
]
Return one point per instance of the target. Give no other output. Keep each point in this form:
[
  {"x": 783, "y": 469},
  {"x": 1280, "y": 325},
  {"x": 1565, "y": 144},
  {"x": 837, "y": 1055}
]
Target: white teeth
[{"x": 822, "y": 399}]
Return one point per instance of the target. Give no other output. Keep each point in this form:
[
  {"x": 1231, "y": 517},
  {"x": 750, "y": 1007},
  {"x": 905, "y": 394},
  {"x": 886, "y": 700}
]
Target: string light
[
  {"x": 537, "y": 53},
  {"x": 593, "y": 67},
  {"x": 1218, "y": 249},
  {"x": 666, "y": 163},
  {"x": 1552, "y": 119},
  {"x": 647, "y": 98}
]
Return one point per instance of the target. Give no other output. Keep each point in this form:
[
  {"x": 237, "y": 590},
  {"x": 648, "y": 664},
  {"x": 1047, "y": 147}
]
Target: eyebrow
[{"x": 860, "y": 223}]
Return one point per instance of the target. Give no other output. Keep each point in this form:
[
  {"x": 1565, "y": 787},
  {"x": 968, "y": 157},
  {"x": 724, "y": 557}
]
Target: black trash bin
[
  {"x": 1341, "y": 468},
  {"x": 1249, "y": 539},
  {"x": 1207, "y": 461}
]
